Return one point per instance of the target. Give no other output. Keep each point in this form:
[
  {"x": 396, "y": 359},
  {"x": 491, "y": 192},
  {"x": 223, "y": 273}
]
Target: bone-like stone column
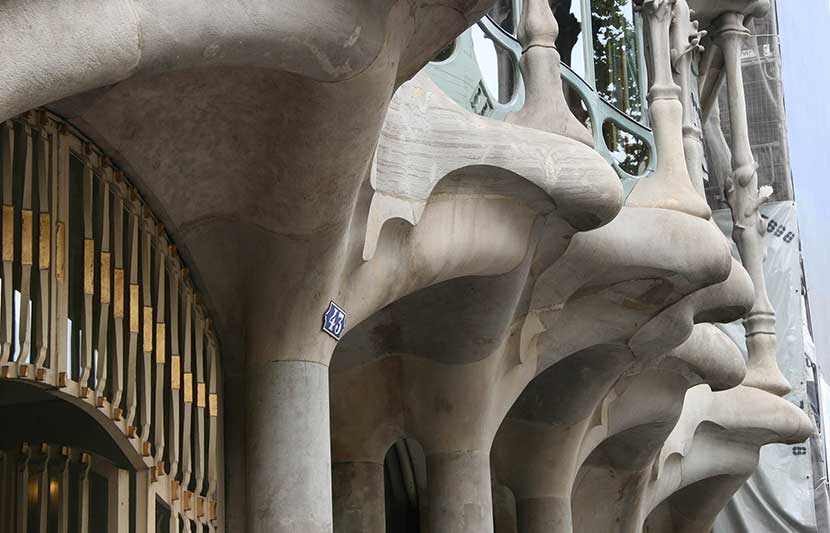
[
  {"x": 545, "y": 106},
  {"x": 745, "y": 200},
  {"x": 670, "y": 186},
  {"x": 289, "y": 489},
  {"x": 544, "y": 515},
  {"x": 359, "y": 505},
  {"x": 685, "y": 42},
  {"x": 460, "y": 498}
]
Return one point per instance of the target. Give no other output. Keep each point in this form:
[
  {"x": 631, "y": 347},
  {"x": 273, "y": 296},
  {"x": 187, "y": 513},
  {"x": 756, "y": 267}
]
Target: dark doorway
[{"x": 400, "y": 467}]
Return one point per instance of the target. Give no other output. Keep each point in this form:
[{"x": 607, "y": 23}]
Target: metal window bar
[{"x": 100, "y": 264}]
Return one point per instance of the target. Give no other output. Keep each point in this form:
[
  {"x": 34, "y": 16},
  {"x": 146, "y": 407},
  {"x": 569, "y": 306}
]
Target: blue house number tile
[{"x": 334, "y": 321}]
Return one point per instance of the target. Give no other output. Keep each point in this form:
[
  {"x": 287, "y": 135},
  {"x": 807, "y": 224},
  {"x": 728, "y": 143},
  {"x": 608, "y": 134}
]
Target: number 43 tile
[{"x": 334, "y": 321}]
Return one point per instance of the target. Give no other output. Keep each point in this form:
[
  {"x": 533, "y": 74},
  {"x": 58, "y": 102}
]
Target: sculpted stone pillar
[
  {"x": 685, "y": 44},
  {"x": 545, "y": 106},
  {"x": 670, "y": 187},
  {"x": 288, "y": 441},
  {"x": 359, "y": 505},
  {"x": 745, "y": 200},
  {"x": 460, "y": 498},
  {"x": 543, "y": 515}
]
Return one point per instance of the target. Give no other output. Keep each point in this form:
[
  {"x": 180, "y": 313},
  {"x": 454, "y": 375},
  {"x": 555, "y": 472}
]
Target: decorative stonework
[
  {"x": 545, "y": 107},
  {"x": 745, "y": 198},
  {"x": 670, "y": 187},
  {"x": 508, "y": 307}
]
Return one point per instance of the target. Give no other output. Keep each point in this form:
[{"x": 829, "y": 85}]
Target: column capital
[
  {"x": 729, "y": 24},
  {"x": 659, "y": 9},
  {"x": 538, "y": 26}
]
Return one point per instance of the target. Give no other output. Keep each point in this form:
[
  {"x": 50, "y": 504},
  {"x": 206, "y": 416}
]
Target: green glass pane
[
  {"x": 616, "y": 57},
  {"x": 630, "y": 151}
]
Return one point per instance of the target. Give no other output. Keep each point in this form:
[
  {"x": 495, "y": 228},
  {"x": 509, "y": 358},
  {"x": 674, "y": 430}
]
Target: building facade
[{"x": 380, "y": 265}]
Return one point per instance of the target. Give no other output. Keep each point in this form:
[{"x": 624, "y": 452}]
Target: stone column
[
  {"x": 544, "y": 515},
  {"x": 359, "y": 505},
  {"x": 745, "y": 200},
  {"x": 685, "y": 41},
  {"x": 545, "y": 106},
  {"x": 460, "y": 497},
  {"x": 289, "y": 448},
  {"x": 670, "y": 186}
]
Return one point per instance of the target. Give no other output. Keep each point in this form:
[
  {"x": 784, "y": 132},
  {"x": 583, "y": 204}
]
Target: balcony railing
[{"x": 600, "y": 111}]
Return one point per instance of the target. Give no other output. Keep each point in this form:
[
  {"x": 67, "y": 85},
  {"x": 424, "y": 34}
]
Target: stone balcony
[{"x": 524, "y": 329}]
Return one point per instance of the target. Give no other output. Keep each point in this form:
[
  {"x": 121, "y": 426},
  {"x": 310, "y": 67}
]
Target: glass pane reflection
[
  {"x": 616, "y": 55},
  {"x": 630, "y": 151},
  {"x": 487, "y": 58},
  {"x": 570, "y": 42}
]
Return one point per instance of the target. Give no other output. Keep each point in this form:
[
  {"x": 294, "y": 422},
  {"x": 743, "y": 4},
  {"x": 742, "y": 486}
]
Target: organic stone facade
[{"x": 532, "y": 342}]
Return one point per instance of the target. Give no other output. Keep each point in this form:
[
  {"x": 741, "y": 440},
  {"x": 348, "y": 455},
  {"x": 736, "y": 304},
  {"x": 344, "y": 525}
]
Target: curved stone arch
[
  {"x": 505, "y": 515},
  {"x": 683, "y": 473},
  {"x": 693, "y": 488},
  {"x": 647, "y": 481},
  {"x": 43, "y": 421},
  {"x": 737, "y": 456},
  {"x": 406, "y": 457},
  {"x": 111, "y": 41},
  {"x": 601, "y": 429},
  {"x": 638, "y": 432},
  {"x": 694, "y": 508},
  {"x": 731, "y": 425},
  {"x": 362, "y": 441},
  {"x": 629, "y": 490},
  {"x": 634, "y": 406},
  {"x": 537, "y": 445},
  {"x": 572, "y": 293}
]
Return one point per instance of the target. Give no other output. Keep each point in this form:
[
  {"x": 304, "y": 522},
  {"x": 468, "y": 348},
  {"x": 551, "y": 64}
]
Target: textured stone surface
[{"x": 505, "y": 310}]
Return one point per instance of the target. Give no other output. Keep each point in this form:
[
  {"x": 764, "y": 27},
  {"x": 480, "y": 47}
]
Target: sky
[{"x": 803, "y": 30}]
